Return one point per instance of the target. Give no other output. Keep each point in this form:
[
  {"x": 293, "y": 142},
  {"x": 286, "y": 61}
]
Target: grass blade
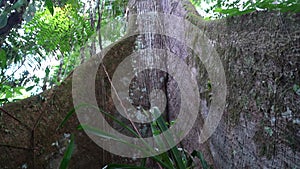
[
  {"x": 106, "y": 135},
  {"x": 68, "y": 154},
  {"x": 201, "y": 158},
  {"x": 69, "y": 114},
  {"x": 174, "y": 151},
  {"x": 143, "y": 163}
]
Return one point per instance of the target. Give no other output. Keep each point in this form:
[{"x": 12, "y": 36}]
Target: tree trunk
[{"x": 260, "y": 124}]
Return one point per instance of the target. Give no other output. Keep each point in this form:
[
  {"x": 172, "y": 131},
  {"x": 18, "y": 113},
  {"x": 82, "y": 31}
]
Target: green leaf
[
  {"x": 3, "y": 19},
  {"x": 68, "y": 154},
  {"x": 166, "y": 158},
  {"x": 231, "y": 11},
  {"x": 100, "y": 133},
  {"x": 66, "y": 118},
  {"x": 3, "y": 58},
  {"x": 17, "y": 90},
  {"x": 103, "y": 112},
  {"x": 47, "y": 71},
  {"x": 29, "y": 88},
  {"x": 49, "y": 5},
  {"x": 143, "y": 163},
  {"x": 74, "y": 3},
  {"x": 103, "y": 134},
  {"x": 8, "y": 94},
  {"x": 218, "y": 10},
  {"x": 6, "y": 87},
  {"x": 163, "y": 127},
  {"x": 201, "y": 158}
]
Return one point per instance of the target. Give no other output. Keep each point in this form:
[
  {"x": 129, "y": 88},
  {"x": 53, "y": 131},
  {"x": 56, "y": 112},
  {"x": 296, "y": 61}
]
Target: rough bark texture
[{"x": 259, "y": 127}]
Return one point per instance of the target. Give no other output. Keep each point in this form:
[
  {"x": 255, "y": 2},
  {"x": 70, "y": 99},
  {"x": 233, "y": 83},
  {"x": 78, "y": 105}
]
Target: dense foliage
[
  {"x": 47, "y": 47},
  {"x": 222, "y": 8}
]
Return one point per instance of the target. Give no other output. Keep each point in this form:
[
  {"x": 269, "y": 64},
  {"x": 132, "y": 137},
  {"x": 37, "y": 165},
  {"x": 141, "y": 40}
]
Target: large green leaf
[{"x": 49, "y": 6}]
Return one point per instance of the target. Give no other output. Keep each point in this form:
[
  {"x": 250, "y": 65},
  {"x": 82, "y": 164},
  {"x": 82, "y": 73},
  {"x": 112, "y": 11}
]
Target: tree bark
[{"x": 259, "y": 127}]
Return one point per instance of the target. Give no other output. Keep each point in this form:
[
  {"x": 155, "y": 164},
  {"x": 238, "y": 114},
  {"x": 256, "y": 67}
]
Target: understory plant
[{"x": 176, "y": 158}]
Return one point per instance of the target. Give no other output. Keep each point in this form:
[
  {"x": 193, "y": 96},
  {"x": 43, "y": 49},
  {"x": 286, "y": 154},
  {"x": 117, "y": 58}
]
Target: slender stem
[
  {"x": 133, "y": 125},
  {"x": 11, "y": 116},
  {"x": 16, "y": 147}
]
